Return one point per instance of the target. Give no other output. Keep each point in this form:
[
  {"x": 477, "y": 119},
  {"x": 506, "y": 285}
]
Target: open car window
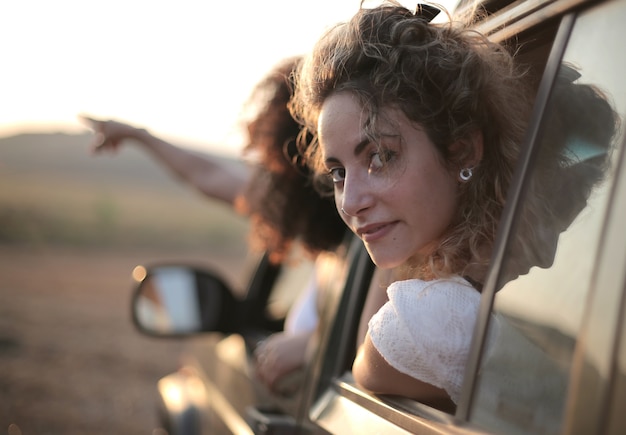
[{"x": 290, "y": 285}]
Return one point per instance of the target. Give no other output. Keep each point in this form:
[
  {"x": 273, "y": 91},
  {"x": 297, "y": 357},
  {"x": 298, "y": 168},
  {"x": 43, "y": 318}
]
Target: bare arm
[
  {"x": 281, "y": 354},
  {"x": 211, "y": 176},
  {"x": 372, "y": 372}
]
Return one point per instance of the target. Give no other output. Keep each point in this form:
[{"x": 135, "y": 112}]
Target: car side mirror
[{"x": 174, "y": 300}]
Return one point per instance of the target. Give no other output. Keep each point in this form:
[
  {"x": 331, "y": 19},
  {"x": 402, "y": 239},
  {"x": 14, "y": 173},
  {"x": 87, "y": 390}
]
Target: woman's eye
[
  {"x": 337, "y": 174},
  {"x": 379, "y": 159},
  {"x": 376, "y": 162}
]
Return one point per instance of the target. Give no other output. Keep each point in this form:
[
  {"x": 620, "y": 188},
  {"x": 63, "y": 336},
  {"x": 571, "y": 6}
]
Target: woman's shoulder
[
  {"x": 447, "y": 295},
  {"x": 437, "y": 287}
]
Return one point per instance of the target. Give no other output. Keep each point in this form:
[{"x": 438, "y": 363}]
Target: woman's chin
[{"x": 385, "y": 262}]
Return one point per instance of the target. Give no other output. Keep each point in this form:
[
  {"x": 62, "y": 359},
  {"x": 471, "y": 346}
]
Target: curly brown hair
[
  {"x": 280, "y": 200},
  {"x": 450, "y": 80}
]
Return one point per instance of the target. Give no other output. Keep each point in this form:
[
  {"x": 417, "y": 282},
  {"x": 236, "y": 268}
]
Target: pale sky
[{"x": 181, "y": 69}]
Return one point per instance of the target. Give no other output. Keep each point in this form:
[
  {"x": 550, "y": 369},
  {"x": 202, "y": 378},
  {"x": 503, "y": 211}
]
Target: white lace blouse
[{"x": 425, "y": 330}]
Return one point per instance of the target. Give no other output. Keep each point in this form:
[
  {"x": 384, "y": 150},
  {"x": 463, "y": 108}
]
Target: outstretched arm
[{"x": 211, "y": 176}]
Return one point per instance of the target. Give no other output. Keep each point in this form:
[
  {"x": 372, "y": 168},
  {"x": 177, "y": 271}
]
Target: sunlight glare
[
  {"x": 183, "y": 70},
  {"x": 139, "y": 273}
]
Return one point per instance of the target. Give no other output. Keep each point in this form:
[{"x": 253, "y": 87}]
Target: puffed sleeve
[{"x": 425, "y": 330}]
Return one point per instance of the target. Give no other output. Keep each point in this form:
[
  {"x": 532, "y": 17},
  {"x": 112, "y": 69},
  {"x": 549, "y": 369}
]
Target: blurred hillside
[
  {"x": 72, "y": 228},
  {"x": 54, "y": 191}
]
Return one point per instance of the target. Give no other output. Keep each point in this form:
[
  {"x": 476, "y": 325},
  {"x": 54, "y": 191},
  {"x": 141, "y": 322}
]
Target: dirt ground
[{"x": 71, "y": 361}]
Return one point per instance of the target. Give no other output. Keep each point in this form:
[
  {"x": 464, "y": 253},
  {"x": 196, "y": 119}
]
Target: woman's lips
[{"x": 373, "y": 232}]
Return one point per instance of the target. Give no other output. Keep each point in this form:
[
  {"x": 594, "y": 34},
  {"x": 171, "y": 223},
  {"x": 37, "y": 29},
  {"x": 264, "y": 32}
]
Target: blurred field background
[{"x": 72, "y": 227}]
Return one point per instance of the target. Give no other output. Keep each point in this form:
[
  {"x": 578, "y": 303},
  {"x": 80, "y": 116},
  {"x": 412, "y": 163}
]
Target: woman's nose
[{"x": 356, "y": 196}]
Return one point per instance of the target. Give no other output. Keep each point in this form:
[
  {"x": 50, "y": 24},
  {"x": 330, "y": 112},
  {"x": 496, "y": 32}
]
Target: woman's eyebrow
[
  {"x": 358, "y": 149},
  {"x": 361, "y": 146},
  {"x": 330, "y": 160}
]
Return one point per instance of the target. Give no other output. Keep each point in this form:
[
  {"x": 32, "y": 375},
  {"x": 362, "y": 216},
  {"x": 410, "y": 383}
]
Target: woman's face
[{"x": 400, "y": 208}]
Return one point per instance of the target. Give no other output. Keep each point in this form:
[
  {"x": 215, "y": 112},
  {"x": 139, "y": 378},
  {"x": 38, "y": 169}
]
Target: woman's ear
[
  {"x": 468, "y": 151},
  {"x": 477, "y": 146}
]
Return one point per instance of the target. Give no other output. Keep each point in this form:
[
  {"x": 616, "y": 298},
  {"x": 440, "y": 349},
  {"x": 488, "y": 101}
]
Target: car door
[
  {"x": 214, "y": 385},
  {"x": 555, "y": 361},
  {"x": 223, "y": 365},
  {"x": 548, "y": 350}
]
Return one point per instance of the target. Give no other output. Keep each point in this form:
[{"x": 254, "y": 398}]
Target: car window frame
[
  {"x": 578, "y": 414},
  {"x": 334, "y": 336},
  {"x": 505, "y": 226}
]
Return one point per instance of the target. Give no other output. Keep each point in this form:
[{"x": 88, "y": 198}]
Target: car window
[
  {"x": 291, "y": 281},
  {"x": 547, "y": 273}
]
